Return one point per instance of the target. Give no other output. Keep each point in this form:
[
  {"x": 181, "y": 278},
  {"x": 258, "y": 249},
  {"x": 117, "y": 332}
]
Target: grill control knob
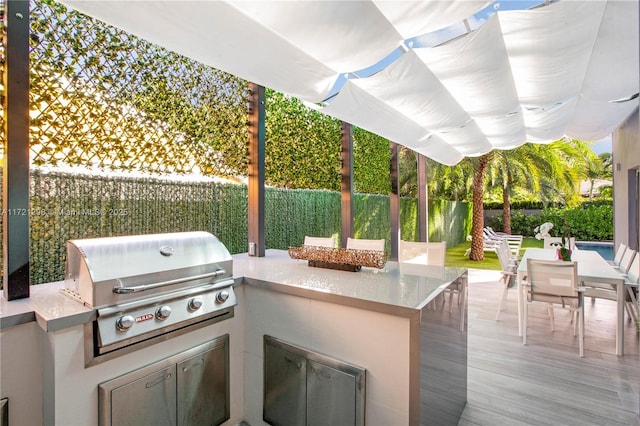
[
  {"x": 194, "y": 304},
  {"x": 222, "y": 296},
  {"x": 163, "y": 312},
  {"x": 125, "y": 322}
]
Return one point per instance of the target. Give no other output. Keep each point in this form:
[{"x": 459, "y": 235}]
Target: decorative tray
[{"x": 339, "y": 258}]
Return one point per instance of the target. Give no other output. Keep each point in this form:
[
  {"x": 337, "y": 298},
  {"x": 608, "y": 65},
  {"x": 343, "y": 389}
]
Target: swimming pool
[{"x": 604, "y": 248}]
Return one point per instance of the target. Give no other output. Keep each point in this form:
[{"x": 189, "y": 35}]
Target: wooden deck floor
[{"x": 546, "y": 382}]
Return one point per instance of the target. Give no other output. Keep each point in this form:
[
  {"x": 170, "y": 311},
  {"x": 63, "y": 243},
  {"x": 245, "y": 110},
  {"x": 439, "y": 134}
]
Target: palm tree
[
  {"x": 537, "y": 168},
  {"x": 477, "y": 245},
  {"x": 597, "y": 167},
  {"x": 450, "y": 182},
  {"x": 521, "y": 167}
]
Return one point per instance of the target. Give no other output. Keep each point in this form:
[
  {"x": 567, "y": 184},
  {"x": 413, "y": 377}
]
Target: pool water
[{"x": 604, "y": 248}]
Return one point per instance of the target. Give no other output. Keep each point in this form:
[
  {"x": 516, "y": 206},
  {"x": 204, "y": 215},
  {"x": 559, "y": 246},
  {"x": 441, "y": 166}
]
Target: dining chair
[
  {"x": 632, "y": 284},
  {"x": 320, "y": 241},
  {"x": 509, "y": 266},
  {"x": 364, "y": 244},
  {"x": 597, "y": 290},
  {"x": 602, "y": 290},
  {"x": 555, "y": 282},
  {"x": 432, "y": 253},
  {"x": 627, "y": 259},
  {"x": 619, "y": 253}
]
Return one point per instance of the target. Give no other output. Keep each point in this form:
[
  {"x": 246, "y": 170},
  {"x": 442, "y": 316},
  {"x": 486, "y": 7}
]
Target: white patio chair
[
  {"x": 627, "y": 259},
  {"x": 619, "y": 254},
  {"x": 488, "y": 244},
  {"x": 632, "y": 284},
  {"x": 515, "y": 241},
  {"x": 320, "y": 241},
  {"x": 422, "y": 252},
  {"x": 607, "y": 291},
  {"x": 554, "y": 282},
  {"x": 364, "y": 244},
  {"x": 433, "y": 254},
  {"x": 509, "y": 266}
]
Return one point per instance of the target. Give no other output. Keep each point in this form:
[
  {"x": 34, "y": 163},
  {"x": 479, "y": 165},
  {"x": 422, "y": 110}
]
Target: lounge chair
[
  {"x": 514, "y": 241},
  {"x": 488, "y": 244}
]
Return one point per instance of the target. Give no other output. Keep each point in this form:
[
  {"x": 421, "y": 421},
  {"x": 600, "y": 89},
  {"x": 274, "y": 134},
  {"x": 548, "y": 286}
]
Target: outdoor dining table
[{"x": 592, "y": 267}]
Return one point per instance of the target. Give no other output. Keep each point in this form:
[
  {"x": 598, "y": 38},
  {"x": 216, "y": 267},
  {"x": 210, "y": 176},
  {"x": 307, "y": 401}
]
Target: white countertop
[
  {"x": 396, "y": 289},
  {"x": 47, "y": 305}
]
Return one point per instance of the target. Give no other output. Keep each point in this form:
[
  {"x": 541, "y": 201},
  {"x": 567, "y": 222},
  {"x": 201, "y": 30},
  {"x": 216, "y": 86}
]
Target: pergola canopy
[{"x": 569, "y": 68}]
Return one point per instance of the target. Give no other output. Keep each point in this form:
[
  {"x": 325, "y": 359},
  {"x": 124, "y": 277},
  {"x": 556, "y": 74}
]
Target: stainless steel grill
[{"x": 148, "y": 288}]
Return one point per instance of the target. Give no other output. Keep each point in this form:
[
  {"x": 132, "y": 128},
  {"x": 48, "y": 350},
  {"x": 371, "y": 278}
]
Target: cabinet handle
[
  {"x": 158, "y": 380},
  {"x": 194, "y": 364},
  {"x": 298, "y": 364}
]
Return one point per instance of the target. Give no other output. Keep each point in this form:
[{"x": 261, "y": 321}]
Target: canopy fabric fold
[{"x": 567, "y": 69}]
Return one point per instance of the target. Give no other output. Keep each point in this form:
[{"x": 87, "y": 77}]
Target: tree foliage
[
  {"x": 302, "y": 145},
  {"x": 101, "y": 97},
  {"x": 106, "y": 99}
]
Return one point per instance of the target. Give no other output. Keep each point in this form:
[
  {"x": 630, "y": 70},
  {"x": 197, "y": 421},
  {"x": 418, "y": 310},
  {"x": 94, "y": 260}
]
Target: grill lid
[{"x": 113, "y": 270}]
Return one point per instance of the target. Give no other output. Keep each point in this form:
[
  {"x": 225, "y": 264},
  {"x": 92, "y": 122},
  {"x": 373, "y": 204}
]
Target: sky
[{"x": 603, "y": 145}]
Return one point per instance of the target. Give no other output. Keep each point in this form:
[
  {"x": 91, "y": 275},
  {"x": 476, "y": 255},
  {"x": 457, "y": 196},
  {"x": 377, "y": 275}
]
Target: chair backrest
[
  {"x": 363, "y": 244},
  {"x": 627, "y": 259},
  {"x": 504, "y": 256},
  {"x": 488, "y": 232},
  {"x": 320, "y": 241},
  {"x": 552, "y": 278},
  {"x": 556, "y": 242},
  {"x": 633, "y": 273},
  {"x": 422, "y": 253},
  {"x": 619, "y": 253}
]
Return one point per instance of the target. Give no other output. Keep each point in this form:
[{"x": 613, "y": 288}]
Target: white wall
[
  {"x": 626, "y": 156},
  {"x": 21, "y": 373}
]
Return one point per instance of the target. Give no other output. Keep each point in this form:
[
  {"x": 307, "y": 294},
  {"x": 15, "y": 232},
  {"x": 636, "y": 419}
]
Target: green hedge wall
[
  {"x": 589, "y": 222},
  {"x": 71, "y": 206}
]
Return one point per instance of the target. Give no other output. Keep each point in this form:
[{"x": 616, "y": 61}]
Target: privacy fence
[{"x": 67, "y": 206}]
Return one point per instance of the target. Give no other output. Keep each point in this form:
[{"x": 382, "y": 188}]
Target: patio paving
[{"x": 545, "y": 382}]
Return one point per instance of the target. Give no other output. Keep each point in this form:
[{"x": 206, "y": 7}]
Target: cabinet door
[
  {"x": 284, "y": 387},
  {"x": 203, "y": 388},
  {"x": 331, "y": 396},
  {"x": 150, "y": 400}
]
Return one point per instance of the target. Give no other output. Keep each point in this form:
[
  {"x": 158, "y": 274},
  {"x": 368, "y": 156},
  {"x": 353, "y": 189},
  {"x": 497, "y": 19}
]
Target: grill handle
[{"x": 121, "y": 289}]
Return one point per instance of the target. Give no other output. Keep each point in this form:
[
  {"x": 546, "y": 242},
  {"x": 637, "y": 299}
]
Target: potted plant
[{"x": 564, "y": 252}]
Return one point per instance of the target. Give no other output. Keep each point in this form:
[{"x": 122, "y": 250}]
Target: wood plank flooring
[{"x": 546, "y": 382}]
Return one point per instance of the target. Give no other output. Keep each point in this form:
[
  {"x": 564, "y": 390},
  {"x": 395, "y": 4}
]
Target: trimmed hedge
[
  {"x": 589, "y": 222},
  {"x": 73, "y": 206}
]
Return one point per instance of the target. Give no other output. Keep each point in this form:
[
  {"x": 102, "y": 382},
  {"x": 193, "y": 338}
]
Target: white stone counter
[
  {"x": 397, "y": 289},
  {"x": 46, "y": 304}
]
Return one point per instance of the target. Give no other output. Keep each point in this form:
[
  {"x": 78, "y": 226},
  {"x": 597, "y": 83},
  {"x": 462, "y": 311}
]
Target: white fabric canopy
[{"x": 566, "y": 69}]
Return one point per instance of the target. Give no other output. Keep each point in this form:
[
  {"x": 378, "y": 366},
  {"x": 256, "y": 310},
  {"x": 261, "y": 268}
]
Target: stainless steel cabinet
[
  {"x": 148, "y": 400},
  {"x": 188, "y": 389},
  {"x": 285, "y": 376},
  {"x": 203, "y": 388},
  {"x": 331, "y": 395},
  {"x": 306, "y": 388}
]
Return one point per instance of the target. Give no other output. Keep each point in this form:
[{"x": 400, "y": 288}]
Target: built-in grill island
[
  {"x": 153, "y": 334},
  {"x": 144, "y": 290},
  {"x": 147, "y": 288}
]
